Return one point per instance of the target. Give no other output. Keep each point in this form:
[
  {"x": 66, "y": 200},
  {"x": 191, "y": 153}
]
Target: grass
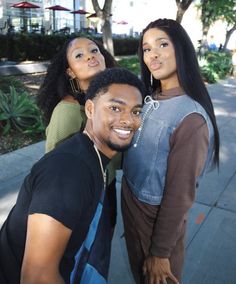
[{"x": 131, "y": 63}]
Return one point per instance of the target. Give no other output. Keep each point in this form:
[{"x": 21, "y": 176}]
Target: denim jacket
[{"x": 145, "y": 163}]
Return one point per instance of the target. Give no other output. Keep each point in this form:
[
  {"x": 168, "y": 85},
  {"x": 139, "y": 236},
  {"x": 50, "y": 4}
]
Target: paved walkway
[
  {"x": 211, "y": 245},
  {"x": 12, "y": 68}
]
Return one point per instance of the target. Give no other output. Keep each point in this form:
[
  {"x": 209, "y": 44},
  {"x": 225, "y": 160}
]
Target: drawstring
[{"x": 152, "y": 104}]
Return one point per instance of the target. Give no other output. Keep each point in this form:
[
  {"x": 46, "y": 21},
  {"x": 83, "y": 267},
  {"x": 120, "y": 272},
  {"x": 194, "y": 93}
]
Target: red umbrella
[
  {"x": 25, "y": 5},
  {"x": 80, "y": 11},
  {"x": 122, "y": 23},
  {"x": 94, "y": 15},
  {"x": 56, "y": 8}
]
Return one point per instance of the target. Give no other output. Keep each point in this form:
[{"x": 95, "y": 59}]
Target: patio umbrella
[
  {"x": 54, "y": 9},
  {"x": 80, "y": 11},
  {"x": 94, "y": 15},
  {"x": 25, "y": 5},
  {"x": 122, "y": 23}
]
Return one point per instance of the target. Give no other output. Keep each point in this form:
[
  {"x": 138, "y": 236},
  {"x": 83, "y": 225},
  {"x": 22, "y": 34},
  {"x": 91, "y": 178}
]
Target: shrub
[
  {"x": 215, "y": 65},
  {"x": 3, "y": 47},
  {"x": 19, "y": 112},
  {"x": 131, "y": 63},
  {"x": 219, "y": 62},
  {"x": 125, "y": 46},
  {"x": 7, "y": 81},
  {"x": 19, "y": 47},
  {"x": 207, "y": 74}
]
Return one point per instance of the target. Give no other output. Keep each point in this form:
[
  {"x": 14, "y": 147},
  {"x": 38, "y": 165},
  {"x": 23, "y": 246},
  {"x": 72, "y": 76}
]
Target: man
[{"x": 58, "y": 199}]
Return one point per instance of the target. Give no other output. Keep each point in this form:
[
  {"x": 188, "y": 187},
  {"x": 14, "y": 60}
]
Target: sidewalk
[
  {"x": 12, "y": 68},
  {"x": 211, "y": 245}
]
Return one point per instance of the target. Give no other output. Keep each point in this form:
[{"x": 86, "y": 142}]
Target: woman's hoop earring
[{"x": 74, "y": 86}]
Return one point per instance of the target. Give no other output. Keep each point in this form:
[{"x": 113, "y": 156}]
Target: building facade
[{"x": 40, "y": 19}]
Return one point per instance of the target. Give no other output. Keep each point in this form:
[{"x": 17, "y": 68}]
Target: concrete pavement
[
  {"x": 211, "y": 234},
  {"x": 12, "y": 68}
]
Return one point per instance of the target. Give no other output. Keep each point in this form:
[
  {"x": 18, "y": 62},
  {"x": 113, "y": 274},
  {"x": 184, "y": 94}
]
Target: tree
[
  {"x": 104, "y": 15},
  {"x": 213, "y": 10},
  {"x": 228, "y": 14},
  {"x": 207, "y": 16},
  {"x": 182, "y": 7},
  {"x": 229, "y": 32}
]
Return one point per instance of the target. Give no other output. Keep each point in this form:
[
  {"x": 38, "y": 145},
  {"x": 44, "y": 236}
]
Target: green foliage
[
  {"x": 208, "y": 75},
  {"x": 215, "y": 65},
  {"x": 20, "y": 47},
  {"x": 7, "y": 81},
  {"x": 131, "y": 63},
  {"x": 19, "y": 112},
  {"x": 3, "y": 47},
  {"x": 213, "y": 10},
  {"x": 125, "y": 46},
  {"x": 219, "y": 62}
]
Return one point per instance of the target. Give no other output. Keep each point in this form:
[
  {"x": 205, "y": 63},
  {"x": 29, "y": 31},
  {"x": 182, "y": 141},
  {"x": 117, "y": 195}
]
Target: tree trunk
[
  {"x": 228, "y": 35},
  {"x": 182, "y": 6},
  {"x": 205, "y": 30},
  {"x": 104, "y": 15},
  {"x": 107, "y": 37},
  {"x": 179, "y": 16}
]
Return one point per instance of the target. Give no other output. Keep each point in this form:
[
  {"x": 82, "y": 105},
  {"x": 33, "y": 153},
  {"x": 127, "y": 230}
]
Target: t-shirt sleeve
[
  {"x": 62, "y": 189},
  {"x": 188, "y": 153},
  {"x": 66, "y": 120}
]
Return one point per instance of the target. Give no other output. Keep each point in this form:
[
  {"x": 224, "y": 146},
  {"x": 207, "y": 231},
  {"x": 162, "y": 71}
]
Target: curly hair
[
  {"x": 102, "y": 81},
  {"x": 56, "y": 84}
]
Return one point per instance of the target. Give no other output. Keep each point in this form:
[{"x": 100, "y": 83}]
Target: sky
[{"x": 141, "y": 12}]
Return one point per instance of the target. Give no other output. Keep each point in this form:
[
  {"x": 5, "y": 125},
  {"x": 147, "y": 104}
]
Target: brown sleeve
[{"x": 188, "y": 152}]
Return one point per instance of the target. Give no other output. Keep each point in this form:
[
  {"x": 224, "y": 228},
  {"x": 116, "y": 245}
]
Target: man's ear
[
  {"x": 70, "y": 73},
  {"x": 89, "y": 108}
]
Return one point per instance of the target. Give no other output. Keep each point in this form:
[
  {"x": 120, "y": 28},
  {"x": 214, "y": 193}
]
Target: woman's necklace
[{"x": 99, "y": 158}]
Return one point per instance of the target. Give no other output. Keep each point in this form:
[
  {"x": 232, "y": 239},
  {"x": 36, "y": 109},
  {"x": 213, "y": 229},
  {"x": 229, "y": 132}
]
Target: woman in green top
[{"x": 62, "y": 95}]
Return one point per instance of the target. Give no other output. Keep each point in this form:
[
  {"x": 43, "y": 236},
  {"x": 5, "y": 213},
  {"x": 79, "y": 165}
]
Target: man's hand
[{"x": 157, "y": 270}]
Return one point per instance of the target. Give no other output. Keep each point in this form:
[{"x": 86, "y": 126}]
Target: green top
[{"x": 67, "y": 119}]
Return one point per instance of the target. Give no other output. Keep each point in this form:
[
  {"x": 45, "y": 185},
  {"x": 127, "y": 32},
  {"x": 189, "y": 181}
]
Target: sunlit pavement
[{"x": 211, "y": 245}]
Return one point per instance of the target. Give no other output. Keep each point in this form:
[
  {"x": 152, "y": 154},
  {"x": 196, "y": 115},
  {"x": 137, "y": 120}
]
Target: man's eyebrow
[{"x": 115, "y": 100}]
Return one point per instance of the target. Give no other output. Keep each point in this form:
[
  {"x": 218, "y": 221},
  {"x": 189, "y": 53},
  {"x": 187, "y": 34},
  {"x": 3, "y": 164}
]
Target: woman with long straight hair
[{"x": 178, "y": 141}]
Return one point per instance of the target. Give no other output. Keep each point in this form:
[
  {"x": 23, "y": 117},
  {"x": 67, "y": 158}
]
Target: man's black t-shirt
[{"x": 65, "y": 184}]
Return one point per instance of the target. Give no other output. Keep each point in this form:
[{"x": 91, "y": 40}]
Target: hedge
[{"x": 20, "y": 47}]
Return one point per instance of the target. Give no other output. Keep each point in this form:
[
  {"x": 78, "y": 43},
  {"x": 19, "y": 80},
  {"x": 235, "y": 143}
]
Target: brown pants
[{"x": 138, "y": 241}]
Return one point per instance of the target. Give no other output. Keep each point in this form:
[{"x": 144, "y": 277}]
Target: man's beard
[{"x": 118, "y": 148}]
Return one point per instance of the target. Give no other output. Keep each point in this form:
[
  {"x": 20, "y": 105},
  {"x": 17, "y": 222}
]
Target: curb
[{"x": 19, "y": 69}]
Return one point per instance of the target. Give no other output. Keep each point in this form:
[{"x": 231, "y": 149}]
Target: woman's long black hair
[
  {"x": 188, "y": 71},
  {"x": 56, "y": 83}
]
